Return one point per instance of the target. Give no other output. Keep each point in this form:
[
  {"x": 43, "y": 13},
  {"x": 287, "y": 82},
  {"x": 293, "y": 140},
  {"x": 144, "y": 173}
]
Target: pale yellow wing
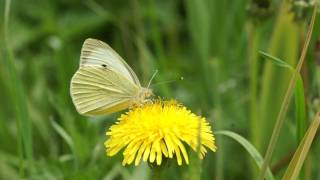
[
  {"x": 97, "y": 53},
  {"x": 100, "y": 90}
]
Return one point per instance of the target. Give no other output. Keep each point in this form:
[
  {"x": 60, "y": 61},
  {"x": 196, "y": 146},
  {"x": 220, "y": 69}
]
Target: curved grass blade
[
  {"x": 300, "y": 155},
  {"x": 298, "y": 96},
  {"x": 65, "y": 136},
  {"x": 249, "y": 148},
  {"x": 276, "y": 60}
]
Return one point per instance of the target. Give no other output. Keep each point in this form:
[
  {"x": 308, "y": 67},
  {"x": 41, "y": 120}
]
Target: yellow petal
[
  {"x": 184, "y": 152},
  {"x": 159, "y": 158},
  {"x": 146, "y": 153},
  {"x": 139, "y": 155},
  {"x": 169, "y": 146},
  {"x": 179, "y": 159},
  {"x": 152, "y": 154},
  {"x": 164, "y": 148}
]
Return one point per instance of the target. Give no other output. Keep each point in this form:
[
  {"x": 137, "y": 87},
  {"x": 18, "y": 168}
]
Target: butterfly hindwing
[{"x": 98, "y": 90}]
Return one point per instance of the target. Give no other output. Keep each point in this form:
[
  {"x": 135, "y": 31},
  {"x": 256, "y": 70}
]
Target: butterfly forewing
[{"x": 97, "y": 53}]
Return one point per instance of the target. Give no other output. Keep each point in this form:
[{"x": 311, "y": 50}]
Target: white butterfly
[{"x": 104, "y": 82}]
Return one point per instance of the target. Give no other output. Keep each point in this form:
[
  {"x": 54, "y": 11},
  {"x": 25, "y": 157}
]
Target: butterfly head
[
  {"x": 143, "y": 96},
  {"x": 145, "y": 93}
]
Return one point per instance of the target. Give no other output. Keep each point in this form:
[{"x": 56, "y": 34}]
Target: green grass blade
[
  {"x": 24, "y": 131},
  {"x": 300, "y": 110},
  {"x": 65, "y": 136},
  {"x": 286, "y": 101},
  {"x": 276, "y": 60},
  {"x": 253, "y": 45},
  {"x": 300, "y": 155},
  {"x": 249, "y": 148},
  {"x": 198, "y": 15}
]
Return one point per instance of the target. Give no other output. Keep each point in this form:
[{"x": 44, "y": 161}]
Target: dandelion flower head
[{"x": 159, "y": 130}]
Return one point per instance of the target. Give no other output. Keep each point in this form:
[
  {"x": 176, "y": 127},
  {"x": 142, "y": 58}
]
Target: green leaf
[
  {"x": 300, "y": 155},
  {"x": 65, "y": 136},
  {"x": 250, "y": 149},
  {"x": 276, "y": 60},
  {"x": 300, "y": 109}
]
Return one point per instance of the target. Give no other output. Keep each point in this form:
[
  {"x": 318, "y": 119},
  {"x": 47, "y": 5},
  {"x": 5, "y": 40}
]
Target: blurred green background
[{"x": 213, "y": 44}]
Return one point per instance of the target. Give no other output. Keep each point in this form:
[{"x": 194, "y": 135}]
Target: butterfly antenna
[
  {"x": 152, "y": 77},
  {"x": 169, "y": 81}
]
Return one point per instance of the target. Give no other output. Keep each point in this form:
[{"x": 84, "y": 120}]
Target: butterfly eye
[{"x": 104, "y": 65}]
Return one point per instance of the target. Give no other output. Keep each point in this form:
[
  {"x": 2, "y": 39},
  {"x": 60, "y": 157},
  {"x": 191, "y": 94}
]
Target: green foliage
[{"x": 298, "y": 94}]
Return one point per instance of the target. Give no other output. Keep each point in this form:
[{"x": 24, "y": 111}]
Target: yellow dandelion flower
[{"x": 159, "y": 130}]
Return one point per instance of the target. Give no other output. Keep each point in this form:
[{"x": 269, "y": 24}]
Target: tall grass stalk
[
  {"x": 300, "y": 108},
  {"x": 199, "y": 26},
  {"x": 254, "y": 44},
  {"x": 215, "y": 67},
  {"x": 253, "y": 62},
  {"x": 301, "y": 153},
  {"x": 23, "y": 123},
  {"x": 283, "y": 44},
  {"x": 299, "y": 97},
  {"x": 286, "y": 101},
  {"x": 156, "y": 37}
]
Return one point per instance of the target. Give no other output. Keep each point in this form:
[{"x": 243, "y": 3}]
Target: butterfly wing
[
  {"x": 98, "y": 90},
  {"x": 97, "y": 53}
]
